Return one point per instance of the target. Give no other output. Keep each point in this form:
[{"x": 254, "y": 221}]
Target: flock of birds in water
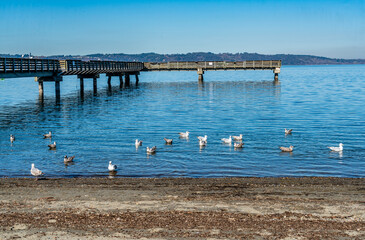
[{"x": 202, "y": 143}]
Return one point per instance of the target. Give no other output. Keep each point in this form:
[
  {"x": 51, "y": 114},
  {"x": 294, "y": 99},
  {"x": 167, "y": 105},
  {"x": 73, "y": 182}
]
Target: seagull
[
  {"x": 12, "y": 138},
  {"x": 35, "y": 171},
  {"x": 203, "y": 138},
  {"x": 151, "y": 150},
  {"x": 184, "y": 134},
  {"x": 138, "y": 143},
  {"x": 202, "y": 143},
  {"x": 237, "y": 138},
  {"x": 168, "y": 141},
  {"x": 285, "y": 149},
  {"x": 337, "y": 149},
  {"x": 227, "y": 140},
  {"x": 112, "y": 167},
  {"x": 68, "y": 159},
  {"x": 238, "y": 145},
  {"x": 52, "y": 146},
  {"x": 288, "y": 131},
  {"x": 47, "y": 135}
]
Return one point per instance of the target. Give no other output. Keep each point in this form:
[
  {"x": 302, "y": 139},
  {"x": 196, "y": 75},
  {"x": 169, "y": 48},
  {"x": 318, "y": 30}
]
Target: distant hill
[{"x": 287, "y": 59}]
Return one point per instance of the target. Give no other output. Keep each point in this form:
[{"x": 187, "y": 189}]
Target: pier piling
[
  {"x": 127, "y": 80},
  {"x": 200, "y": 73}
]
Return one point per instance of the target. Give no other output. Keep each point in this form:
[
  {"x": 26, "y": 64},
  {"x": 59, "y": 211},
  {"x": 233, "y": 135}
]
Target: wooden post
[
  {"x": 137, "y": 79},
  {"x": 276, "y": 74},
  {"x": 40, "y": 88},
  {"x": 95, "y": 85},
  {"x": 200, "y": 72},
  {"x": 57, "y": 88},
  {"x": 121, "y": 81},
  {"x": 82, "y": 87},
  {"x": 127, "y": 80},
  {"x": 109, "y": 80}
]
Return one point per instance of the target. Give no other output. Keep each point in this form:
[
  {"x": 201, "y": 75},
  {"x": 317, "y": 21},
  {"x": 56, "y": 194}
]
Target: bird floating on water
[
  {"x": 288, "y": 131},
  {"x": 151, "y": 150},
  {"x": 168, "y": 141},
  {"x": 227, "y": 140},
  {"x": 12, "y": 138},
  {"x": 286, "y": 149},
  {"x": 202, "y": 143},
  {"x": 52, "y": 146},
  {"x": 47, "y": 135},
  {"x": 203, "y": 138},
  {"x": 138, "y": 143},
  {"x": 112, "y": 167},
  {"x": 337, "y": 149},
  {"x": 184, "y": 134},
  {"x": 238, "y": 145},
  {"x": 68, "y": 159},
  {"x": 35, "y": 171},
  {"x": 237, "y": 138}
]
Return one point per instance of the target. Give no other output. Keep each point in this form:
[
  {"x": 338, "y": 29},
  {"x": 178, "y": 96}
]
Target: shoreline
[{"x": 184, "y": 208}]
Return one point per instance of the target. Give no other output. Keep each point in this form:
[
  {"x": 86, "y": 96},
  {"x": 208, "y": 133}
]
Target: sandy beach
[{"x": 182, "y": 208}]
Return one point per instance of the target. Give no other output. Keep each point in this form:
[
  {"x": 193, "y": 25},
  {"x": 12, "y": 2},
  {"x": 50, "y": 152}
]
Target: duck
[
  {"x": 288, "y": 131},
  {"x": 203, "y": 138},
  {"x": 184, "y": 134},
  {"x": 47, "y": 135},
  {"x": 12, "y": 138},
  {"x": 52, "y": 146},
  {"x": 238, "y": 145},
  {"x": 112, "y": 167},
  {"x": 227, "y": 140},
  {"x": 337, "y": 149},
  {"x": 151, "y": 150},
  {"x": 138, "y": 143},
  {"x": 68, "y": 159},
  {"x": 35, "y": 171},
  {"x": 168, "y": 141},
  {"x": 237, "y": 138},
  {"x": 286, "y": 149}
]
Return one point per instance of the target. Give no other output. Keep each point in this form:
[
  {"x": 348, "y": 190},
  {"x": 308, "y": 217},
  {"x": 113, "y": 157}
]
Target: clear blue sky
[{"x": 325, "y": 28}]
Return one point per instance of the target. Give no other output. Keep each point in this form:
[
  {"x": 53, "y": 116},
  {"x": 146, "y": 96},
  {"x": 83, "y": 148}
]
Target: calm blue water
[{"x": 323, "y": 104}]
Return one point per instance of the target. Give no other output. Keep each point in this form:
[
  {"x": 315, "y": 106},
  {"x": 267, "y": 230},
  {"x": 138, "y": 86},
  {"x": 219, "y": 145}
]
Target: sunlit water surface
[{"x": 323, "y": 104}]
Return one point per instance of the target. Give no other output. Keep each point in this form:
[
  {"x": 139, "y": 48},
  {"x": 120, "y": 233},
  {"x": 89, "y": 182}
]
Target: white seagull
[
  {"x": 112, "y": 167},
  {"x": 203, "y": 138},
  {"x": 227, "y": 140},
  {"x": 288, "y": 131},
  {"x": 68, "y": 159},
  {"x": 184, "y": 134},
  {"x": 168, "y": 141},
  {"x": 35, "y": 171},
  {"x": 138, "y": 143},
  {"x": 151, "y": 150},
  {"x": 12, "y": 138},
  {"x": 286, "y": 149},
  {"x": 337, "y": 149},
  {"x": 52, "y": 146},
  {"x": 47, "y": 135},
  {"x": 202, "y": 143},
  {"x": 237, "y": 138}
]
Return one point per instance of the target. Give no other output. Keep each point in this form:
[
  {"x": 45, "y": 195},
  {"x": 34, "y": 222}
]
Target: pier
[
  {"x": 52, "y": 70},
  {"x": 200, "y": 67}
]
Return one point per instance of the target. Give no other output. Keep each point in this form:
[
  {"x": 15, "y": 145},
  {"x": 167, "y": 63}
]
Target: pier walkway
[{"x": 52, "y": 70}]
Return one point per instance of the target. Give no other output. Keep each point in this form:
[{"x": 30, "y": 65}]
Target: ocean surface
[{"x": 324, "y": 105}]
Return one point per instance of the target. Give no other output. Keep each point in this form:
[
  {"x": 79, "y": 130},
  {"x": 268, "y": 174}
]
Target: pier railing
[
  {"x": 20, "y": 65},
  {"x": 213, "y": 65},
  {"x": 72, "y": 67}
]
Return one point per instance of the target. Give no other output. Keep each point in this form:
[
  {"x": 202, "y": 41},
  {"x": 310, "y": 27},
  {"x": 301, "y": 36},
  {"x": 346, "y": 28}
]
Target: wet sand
[{"x": 183, "y": 208}]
